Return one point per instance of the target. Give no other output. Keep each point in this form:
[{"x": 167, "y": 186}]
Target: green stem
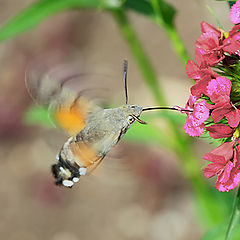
[
  {"x": 172, "y": 33},
  {"x": 234, "y": 216},
  {"x": 180, "y": 144},
  {"x": 140, "y": 56},
  {"x": 178, "y": 45}
]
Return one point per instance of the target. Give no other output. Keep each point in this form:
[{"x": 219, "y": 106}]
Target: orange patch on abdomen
[{"x": 86, "y": 155}]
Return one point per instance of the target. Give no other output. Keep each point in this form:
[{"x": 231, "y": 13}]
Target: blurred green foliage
[
  {"x": 218, "y": 232},
  {"x": 41, "y": 10},
  {"x": 38, "y": 115}
]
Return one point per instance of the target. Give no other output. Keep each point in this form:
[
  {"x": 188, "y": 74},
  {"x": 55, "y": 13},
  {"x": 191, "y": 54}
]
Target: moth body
[{"x": 83, "y": 152}]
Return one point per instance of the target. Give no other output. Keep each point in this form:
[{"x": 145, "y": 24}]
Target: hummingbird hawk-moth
[{"x": 93, "y": 130}]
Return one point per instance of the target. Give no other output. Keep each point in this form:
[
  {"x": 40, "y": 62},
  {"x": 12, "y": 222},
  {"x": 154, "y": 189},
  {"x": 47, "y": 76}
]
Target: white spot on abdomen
[
  {"x": 82, "y": 171},
  {"x": 67, "y": 183}
]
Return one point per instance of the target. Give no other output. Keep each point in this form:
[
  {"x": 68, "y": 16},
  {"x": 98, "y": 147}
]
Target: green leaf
[
  {"x": 164, "y": 16},
  {"x": 230, "y": 3},
  {"x": 41, "y": 10},
  {"x": 166, "y": 12},
  {"x": 140, "y": 6}
]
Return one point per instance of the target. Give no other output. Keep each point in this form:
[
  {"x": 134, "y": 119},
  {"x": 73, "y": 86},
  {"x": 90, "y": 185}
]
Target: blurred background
[{"x": 140, "y": 191}]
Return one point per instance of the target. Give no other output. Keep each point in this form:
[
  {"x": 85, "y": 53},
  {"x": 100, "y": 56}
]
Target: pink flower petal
[
  {"x": 207, "y": 49},
  {"x": 201, "y": 86},
  {"x": 235, "y": 13},
  {"x": 201, "y": 112},
  {"x": 216, "y": 158},
  {"x": 220, "y": 112},
  {"x": 206, "y": 27},
  {"x": 194, "y": 124},
  {"x": 192, "y": 128},
  {"x": 221, "y": 154},
  {"x": 234, "y": 30},
  {"x": 192, "y": 70},
  {"x": 190, "y": 103},
  {"x": 220, "y": 131},
  {"x": 225, "y": 175},
  {"x": 235, "y": 180},
  {"x": 221, "y": 187},
  {"x": 230, "y": 184},
  {"x": 225, "y": 164},
  {"x": 201, "y": 61},
  {"x": 199, "y": 72},
  {"x": 212, "y": 169},
  {"x": 219, "y": 90},
  {"x": 231, "y": 44},
  {"x": 207, "y": 42},
  {"x": 236, "y": 159},
  {"x": 233, "y": 118}
]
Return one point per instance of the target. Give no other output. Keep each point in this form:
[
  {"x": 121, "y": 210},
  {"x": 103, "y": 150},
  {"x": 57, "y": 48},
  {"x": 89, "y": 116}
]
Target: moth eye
[{"x": 130, "y": 119}]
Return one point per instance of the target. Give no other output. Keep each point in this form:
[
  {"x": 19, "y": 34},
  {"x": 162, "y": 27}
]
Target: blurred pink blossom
[{"x": 235, "y": 13}]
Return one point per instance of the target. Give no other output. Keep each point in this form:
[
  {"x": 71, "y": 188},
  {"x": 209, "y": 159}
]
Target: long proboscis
[{"x": 167, "y": 108}]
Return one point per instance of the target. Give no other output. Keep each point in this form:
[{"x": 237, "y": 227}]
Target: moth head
[{"x": 132, "y": 113}]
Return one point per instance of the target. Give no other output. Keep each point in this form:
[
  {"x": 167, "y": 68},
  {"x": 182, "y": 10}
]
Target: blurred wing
[
  {"x": 72, "y": 117},
  {"x": 64, "y": 92}
]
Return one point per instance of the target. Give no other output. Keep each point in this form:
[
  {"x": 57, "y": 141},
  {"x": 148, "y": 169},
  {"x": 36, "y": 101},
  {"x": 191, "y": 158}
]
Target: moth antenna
[
  {"x": 125, "y": 68},
  {"x": 168, "y": 108}
]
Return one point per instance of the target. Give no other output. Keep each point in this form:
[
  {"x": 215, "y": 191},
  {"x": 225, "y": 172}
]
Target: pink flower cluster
[
  {"x": 212, "y": 105},
  {"x": 225, "y": 163}
]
